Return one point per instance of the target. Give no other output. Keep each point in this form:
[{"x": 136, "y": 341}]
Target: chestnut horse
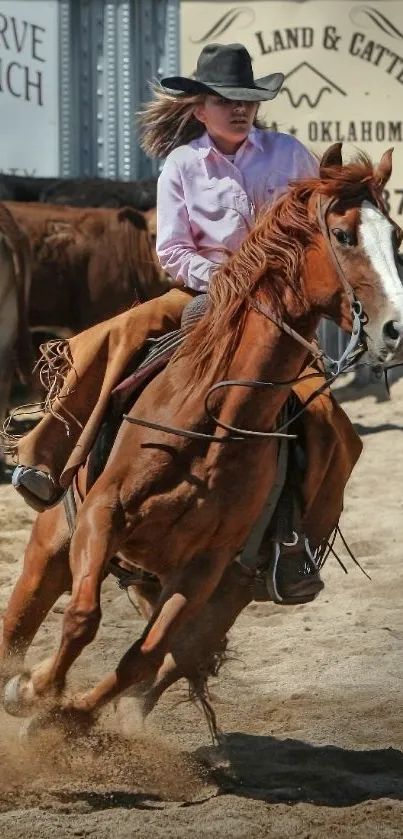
[{"x": 181, "y": 505}]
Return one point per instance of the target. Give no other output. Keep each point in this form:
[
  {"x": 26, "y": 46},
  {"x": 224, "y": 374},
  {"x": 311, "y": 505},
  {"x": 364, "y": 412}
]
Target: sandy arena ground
[{"x": 311, "y": 700}]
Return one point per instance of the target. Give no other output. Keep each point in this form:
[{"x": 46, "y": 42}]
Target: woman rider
[{"x": 221, "y": 165}]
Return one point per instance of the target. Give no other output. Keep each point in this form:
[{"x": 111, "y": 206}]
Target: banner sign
[
  {"x": 29, "y": 87},
  {"x": 343, "y": 66}
]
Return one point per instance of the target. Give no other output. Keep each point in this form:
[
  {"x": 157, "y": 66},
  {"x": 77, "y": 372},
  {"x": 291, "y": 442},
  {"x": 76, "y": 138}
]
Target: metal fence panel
[
  {"x": 332, "y": 339},
  {"x": 118, "y": 48}
]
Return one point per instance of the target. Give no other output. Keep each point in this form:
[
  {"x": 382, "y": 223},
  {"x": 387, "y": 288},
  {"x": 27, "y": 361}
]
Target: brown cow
[
  {"x": 88, "y": 264},
  {"x": 15, "y": 279}
]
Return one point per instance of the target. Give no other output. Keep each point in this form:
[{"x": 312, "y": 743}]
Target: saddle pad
[
  {"x": 158, "y": 353},
  {"x": 160, "y": 350}
]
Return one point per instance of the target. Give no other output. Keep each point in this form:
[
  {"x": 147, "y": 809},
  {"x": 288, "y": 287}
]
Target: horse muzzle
[
  {"x": 385, "y": 344},
  {"x": 392, "y": 333}
]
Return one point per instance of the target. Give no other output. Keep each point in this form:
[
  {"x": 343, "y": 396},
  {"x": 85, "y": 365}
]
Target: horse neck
[{"x": 266, "y": 353}]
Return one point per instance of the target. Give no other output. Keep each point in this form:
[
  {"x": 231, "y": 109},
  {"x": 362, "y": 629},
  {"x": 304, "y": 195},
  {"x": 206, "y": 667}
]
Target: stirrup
[
  {"x": 33, "y": 500},
  {"x": 36, "y": 503},
  {"x": 272, "y": 571}
]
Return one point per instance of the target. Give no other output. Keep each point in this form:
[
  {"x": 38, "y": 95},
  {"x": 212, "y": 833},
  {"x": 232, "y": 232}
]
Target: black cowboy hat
[{"x": 227, "y": 71}]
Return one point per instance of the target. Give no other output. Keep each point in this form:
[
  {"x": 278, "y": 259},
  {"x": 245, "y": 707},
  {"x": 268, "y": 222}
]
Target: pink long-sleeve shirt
[{"x": 206, "y": 203}]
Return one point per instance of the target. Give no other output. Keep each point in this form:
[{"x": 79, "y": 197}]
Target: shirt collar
[
  {"x": 255, "y": 137},
  {"x": 205, "y": 144}
]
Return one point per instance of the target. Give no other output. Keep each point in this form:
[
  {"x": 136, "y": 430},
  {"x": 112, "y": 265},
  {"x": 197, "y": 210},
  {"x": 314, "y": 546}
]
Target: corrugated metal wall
[{"x": 109, "y": 51}]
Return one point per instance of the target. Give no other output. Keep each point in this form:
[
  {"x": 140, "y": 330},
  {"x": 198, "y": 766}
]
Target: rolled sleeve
[{"x": 175, "y": 245}]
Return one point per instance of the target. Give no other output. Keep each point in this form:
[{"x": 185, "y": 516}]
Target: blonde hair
[{"x": 168, "y": 121}]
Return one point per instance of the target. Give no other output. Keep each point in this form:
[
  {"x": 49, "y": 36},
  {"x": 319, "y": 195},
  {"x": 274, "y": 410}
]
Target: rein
[{"x": 336, "y": 366}]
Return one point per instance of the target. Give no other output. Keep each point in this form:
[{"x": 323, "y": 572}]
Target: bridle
[
  {"x": 335, "y": 366},
  {"x": 355, "y": 348}
]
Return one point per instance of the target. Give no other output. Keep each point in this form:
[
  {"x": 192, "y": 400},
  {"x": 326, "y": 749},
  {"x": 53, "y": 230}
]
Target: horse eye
[{"x": 342, "y": 236}]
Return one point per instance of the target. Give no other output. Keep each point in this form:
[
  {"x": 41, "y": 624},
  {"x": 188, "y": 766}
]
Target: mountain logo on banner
[{"x": 305, "y": 77}]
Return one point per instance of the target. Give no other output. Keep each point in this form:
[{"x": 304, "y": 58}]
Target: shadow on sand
[
  {"x": 267, "y": 769},
  {"x": 365, "y": 430},
  {"x": 356, "y": 391},
  {"x": 264, "y": 768}
]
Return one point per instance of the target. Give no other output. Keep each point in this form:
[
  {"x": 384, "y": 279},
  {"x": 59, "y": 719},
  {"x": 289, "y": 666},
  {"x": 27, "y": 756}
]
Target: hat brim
[{"x": 264, "y": 89}]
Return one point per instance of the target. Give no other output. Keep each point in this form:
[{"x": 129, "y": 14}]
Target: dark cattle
[
  {"x": 80, "y": 192},
  {"x": 97, "y": 192},
  {"x": 23, "y": 188}
]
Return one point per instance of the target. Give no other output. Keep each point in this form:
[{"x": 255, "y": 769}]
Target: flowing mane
[{"x": 268, "y": 260}]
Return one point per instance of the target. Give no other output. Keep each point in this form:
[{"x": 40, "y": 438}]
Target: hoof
[{"x": 13, "y": 702}]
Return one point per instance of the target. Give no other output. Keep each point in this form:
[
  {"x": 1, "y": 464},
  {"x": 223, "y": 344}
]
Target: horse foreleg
[
  {"x": 90, "y": 551},
  {"x": 180, "y": 600},
  {"x": 44, "y": 578}
]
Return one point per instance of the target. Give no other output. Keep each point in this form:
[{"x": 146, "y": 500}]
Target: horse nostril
[{"x": 390, "y": 331}]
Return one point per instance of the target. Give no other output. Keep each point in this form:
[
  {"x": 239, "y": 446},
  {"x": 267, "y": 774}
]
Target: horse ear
[
  {"x": 331, "y": 157},
  {"x": 383, "y": 170}
]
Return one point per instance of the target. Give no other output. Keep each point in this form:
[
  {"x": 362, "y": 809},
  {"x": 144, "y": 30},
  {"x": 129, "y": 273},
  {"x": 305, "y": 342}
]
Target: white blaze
[{"x": 377, "y": 239}]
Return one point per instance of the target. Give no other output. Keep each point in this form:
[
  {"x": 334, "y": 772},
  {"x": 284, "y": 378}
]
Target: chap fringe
[{"x": 53, "y": 366}]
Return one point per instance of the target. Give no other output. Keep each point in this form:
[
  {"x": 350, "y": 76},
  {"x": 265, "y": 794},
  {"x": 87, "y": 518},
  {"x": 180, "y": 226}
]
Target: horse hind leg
[
  {"x": 198, "y": 649},
  {"x": 180, "y": 600},
  {"x": 44, "y": 578}
]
